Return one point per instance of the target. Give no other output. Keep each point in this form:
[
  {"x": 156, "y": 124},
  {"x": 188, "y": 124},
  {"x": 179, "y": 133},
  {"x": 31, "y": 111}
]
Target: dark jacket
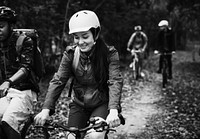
[
  {"x": 85, "y": 84},
  {"x": 165, "y": 41},
  {"x": 11, "y": 61}
]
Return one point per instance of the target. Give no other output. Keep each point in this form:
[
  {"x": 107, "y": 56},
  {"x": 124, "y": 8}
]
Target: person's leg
[
  {"x": 100, "y": 112},
  {"x": 78, "y": 117},
  {"x": 2, "y": 134},
  {"x": 17, "y": 112},
  {"x": 160, "y": 63},
  {"x": 10, "y": 132},
  {"x": 141, "y": 61},
  {"x": 5, "y": 101},
  {"x": 169, "y": 59}
]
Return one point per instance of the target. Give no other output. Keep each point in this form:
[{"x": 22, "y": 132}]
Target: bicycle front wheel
[
  {"x": 36, "y": 133},
  {"x": 136, "y": 72},
  {"x": 30, "y": 132}
]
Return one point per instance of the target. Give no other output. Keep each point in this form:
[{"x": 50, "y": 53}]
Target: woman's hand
[
  {"x": 113, "y": 118},
  {"x": 41, "y": 117}
]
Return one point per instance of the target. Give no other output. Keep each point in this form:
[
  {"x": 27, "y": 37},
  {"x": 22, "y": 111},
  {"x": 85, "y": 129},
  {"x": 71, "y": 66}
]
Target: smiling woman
[
  {"x": 84, "y": 40},
  {"x": 97, "y": 77}
]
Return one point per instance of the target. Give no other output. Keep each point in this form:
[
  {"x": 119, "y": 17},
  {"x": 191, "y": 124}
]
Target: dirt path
[
  {"x": 139, "y": 106},
  {"x": 139, "y": 100}
]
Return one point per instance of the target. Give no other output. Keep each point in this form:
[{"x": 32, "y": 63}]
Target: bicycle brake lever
[{"x": 92, "y": 120}]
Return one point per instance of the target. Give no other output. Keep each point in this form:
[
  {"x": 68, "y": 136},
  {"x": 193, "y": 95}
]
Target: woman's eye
[
  {"x": 85, "y": 37},
  {"x": 76, "y": 37}
]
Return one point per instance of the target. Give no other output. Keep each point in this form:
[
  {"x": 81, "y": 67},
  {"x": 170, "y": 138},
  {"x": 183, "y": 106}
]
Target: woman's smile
[
  {"x": 83, "y": 46},
  {"x": 84, "y": 40}
]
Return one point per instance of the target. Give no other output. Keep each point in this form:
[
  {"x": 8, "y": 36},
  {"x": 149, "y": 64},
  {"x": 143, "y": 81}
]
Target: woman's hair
[{"x": 100, "y": 63}]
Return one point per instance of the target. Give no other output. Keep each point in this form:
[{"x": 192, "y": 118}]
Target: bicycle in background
[
  {"x": 136, "y": 64},
  {"x": 165, "y": 67}
]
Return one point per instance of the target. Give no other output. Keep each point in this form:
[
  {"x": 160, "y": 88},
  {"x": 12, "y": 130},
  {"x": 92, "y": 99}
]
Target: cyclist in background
[
  {"x": 138, "y": 41},
  {"x": 165, "y": 43}
]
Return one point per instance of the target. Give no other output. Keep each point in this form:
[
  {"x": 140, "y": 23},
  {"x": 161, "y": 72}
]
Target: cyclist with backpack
[
  {"x": 97, "y": 77},
  {"x": 138, "y": 43},
  {"x": 165, "y": 44},
  {"x": 17, "y": 91}
]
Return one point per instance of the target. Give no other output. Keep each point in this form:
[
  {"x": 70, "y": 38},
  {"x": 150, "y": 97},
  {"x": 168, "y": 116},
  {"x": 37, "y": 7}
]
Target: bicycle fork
[{"x": 135, "y": 67}]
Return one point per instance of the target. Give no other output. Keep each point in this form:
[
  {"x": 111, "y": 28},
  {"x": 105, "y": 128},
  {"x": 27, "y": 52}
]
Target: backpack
[
  {"x": 139, "y": 38},
  {"x": 38, "y": 64}
]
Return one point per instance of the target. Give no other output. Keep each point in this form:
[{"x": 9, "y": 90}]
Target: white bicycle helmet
[
  {"x": 163, "y": 23},
  {"x": 83, "y": 21},
  {"x": 138, "y": 27}
]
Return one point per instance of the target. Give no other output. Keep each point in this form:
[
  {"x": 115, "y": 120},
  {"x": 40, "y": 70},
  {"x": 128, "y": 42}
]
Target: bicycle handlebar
[
  {"x": 164, "y": 53},
  {"x": 136, "y": 51},
  {"x": 99, "y": 127}
]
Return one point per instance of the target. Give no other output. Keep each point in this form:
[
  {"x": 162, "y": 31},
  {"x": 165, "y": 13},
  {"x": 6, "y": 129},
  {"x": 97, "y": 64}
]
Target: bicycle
[
  {"x": 136, "y": 63},
  {"x": 165, "y": 66},
  {"x": 77, "y": 133}
]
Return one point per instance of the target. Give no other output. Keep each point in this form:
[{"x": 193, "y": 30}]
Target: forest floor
[{"x": 150, "y": 112}]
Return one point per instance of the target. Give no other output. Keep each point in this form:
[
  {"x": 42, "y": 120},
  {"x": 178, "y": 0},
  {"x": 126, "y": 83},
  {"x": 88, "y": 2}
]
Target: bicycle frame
[{"x": 136, "y": 63}]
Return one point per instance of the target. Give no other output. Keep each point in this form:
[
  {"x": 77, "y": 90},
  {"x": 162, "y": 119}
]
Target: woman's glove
[
  {"x": 41, "y": 117},
  {"x": 113, "y": 118}
]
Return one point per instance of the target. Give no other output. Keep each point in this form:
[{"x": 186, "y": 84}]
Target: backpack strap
[
  {"x": 76, "y": 58},
  {"x": 70, "y": 87},
  {"x": 20, "y": 41},
  {"x": 73, "y": 48}
]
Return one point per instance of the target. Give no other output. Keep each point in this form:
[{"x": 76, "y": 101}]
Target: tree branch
[{"x": 99, "y": 5}]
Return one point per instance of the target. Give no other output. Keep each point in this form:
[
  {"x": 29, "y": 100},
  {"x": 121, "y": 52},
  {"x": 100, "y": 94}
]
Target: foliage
[
  {"x": 117, "y": 18},
  {"x": 187, "y": 15},
  {"x": 181, "y": 116}
]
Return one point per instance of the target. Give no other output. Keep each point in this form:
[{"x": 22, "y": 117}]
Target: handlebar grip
[{"x": 122, "y": 119}]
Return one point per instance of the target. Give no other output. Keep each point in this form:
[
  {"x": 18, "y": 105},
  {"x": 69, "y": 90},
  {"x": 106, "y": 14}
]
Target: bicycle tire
[
  {"x": 134, "y": 75},
  {"x": 33, "y": 133},
  {"x": 136, "y": 70}
]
